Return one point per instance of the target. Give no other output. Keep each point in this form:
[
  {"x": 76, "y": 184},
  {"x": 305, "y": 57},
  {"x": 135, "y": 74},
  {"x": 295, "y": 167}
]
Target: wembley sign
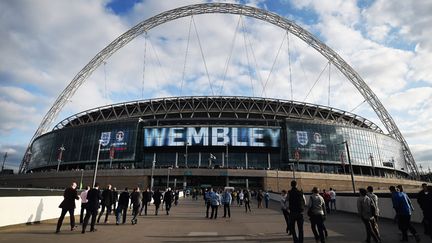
[{"x": 212, "y": 136}]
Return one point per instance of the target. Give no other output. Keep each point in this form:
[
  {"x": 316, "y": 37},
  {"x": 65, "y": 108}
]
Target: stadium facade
[{"x": 215, "y": 133}]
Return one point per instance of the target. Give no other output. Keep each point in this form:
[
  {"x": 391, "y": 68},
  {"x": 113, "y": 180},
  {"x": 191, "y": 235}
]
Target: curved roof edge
[{"x": 235, "y": 107}]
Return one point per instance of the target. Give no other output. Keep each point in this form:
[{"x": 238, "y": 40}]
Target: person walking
[
  {"x": 317, "y": 214},
  {"x": 285, "y": 207},
  {"x": 93, "y": 198},
  {"x": 83, "y": 197},
  {"x": 207, "y": 200},
  {"x": 122, "y": 206},
  {"x": 403, "y": 208},
  {"x": 246, "y": 199},
  {"x": 266, "y": 198},
  {"x": 115, "y": 199},
  {"x": 168, "y": 199},
  {"x": 422, "y": 200},
  {"x": 136, "y": 198},
  {"x": 157, "y": 199},
  {"x": 226, "y": 201},
  {"x": 146, "y": 199},
  {"x": 241, "y": 198},
  {"x": 366, "y": 210},
  {"x": 374, "y": 198},
  {"x": 68, "y": 205},
  {"x": 176, "y": 197},
  {"x": 327, "y": 198},
  {"x": 215, "y": 202},
  {"x": 296, "y": 208},
  {"x": 106, "y": 202},
  {"x": 260, "y": 197},
  {"x": 332, "y": 194}
]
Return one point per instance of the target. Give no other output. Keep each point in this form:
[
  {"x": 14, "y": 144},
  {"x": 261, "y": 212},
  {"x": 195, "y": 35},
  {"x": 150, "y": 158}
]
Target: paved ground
[{"x": 187, "y": 223}]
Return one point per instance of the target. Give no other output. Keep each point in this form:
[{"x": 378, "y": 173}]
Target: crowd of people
[
  {"x": 293, "y": 206},
  {"x": 108, "y": 201}
]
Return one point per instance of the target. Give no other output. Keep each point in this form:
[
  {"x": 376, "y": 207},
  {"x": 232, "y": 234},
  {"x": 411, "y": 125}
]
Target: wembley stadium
[
  {"x": 200, "y": 141},
  {"x": 196, "y": 134}
]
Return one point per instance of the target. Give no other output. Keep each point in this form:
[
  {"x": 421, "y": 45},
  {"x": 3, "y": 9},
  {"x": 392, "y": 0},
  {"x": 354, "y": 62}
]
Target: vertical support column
[
  {"x": 246, "y": 157},
  {"x": 199, "y": 159},
  {"x": 176, "y": 160}
]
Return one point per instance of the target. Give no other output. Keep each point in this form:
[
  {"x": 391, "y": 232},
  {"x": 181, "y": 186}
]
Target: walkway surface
[{"x": 187, "y": 223}]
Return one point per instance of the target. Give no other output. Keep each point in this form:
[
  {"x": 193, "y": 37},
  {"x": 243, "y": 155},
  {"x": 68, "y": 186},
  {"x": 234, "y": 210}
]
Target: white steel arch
[{"x": 226, "y": 8}]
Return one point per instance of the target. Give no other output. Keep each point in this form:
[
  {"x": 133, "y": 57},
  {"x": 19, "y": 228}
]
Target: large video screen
[
  {"x": 314, "y": 142},
  {"x": 212, "y": 136}
]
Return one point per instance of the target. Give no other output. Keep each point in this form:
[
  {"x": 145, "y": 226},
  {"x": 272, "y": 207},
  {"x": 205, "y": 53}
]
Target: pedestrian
[
  {"x": 317, "y": 214},
  {"x": 422, "y": 199},
  {"x": 366, "y": 210},
  {"x": 332, "y": 199},
  {"x": 403, "y": 208},
  {"x": 176, "y": 197},
  {"x": 374, "y": 198},
  {"x": 83, "y": 197},
  {"x": 136, "y": 198},
  {"x": 115, "y": 197},
  {"x": 215, "y": 200},
  {"x": 428, "y": 210},
  {"x": 296, "y": 207},
  {"x": 226, "y": 201},
  {"x": 168, "y": 199},
  {"x": 207, "y": 200},
  {"x": 246, "y": 199},
  {"x": 157, "y": 199},
  {"x": 260, "y": 197},
  {"x": 241, "y": 198},
  {"x": 122, "y": 206},
  {"x": 266, "y": 198},
  {"x": 285, "y": 207},
  {"x": 106, "y": 202},
  {"x": 93, "y": 198},
  {"x": 68, "y": 205},
  {"x": 327, "y": 198},
  {"x": 146, "y": 199}
]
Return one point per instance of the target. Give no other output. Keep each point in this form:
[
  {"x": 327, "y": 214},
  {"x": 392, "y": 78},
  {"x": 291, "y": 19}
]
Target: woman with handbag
[{"x": 317, "y": 213}]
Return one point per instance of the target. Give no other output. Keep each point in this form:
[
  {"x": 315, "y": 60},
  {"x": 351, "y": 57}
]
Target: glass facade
[
  {"x": 81, "y": 145},
  {"x": 303, "y": 145},
  {"x": 310, "y": 142}
]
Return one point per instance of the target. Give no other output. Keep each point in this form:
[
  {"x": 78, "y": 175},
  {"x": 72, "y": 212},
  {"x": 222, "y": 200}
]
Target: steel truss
[
  {"x": 226, "y": 8},
  {"x": 232, "y": 107}
]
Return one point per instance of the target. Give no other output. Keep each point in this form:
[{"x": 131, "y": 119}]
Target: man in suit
[
  {"x": 93, "y": 197},
  {"x": 167, "y": 199},
  {"x": 106, "y": 202},
  {"x": 68, "y": 205},
  {"x": 122, "y": 207},
  {"x": 147, "y": 195}
]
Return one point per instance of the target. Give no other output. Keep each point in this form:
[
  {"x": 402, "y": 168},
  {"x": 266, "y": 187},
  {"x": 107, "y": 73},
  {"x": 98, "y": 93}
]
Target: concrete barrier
[
  {"x": 27, "y": 210},
  {"x": 349, "y": 204}
]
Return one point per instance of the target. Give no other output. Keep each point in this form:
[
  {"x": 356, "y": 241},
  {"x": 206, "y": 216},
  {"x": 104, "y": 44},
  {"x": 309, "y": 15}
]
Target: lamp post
[
  {"x": 186, "y": 154},
  {"x": 59, "y": 159},
  {"x": 97, "y": 162},
  {"x": 168, "y": 174},
  {"x": 227, "y": 165},
  {"x": 152, "y": 172},
  {"x": 372, "y": 163},
  {"x": 350, "y": 165}
]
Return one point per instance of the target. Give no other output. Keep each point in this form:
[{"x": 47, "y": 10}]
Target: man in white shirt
[
  {"x": 83, "y": 197},
  {"x": 332, "y": 199}
]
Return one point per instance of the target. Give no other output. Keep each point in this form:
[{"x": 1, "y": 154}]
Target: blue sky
[{"x": 389, "y": 43}]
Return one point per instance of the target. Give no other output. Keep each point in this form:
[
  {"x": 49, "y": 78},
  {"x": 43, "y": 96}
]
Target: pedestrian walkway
[{"x": 187, "y": 223}]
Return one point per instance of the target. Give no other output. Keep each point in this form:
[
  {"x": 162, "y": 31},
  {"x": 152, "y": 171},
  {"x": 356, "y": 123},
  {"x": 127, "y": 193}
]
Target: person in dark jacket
[
  {"x": 106, "y": 202},
  {"x": 422, "y": 197},
  {"x": 122, "y": 206},
  {"x": 296, "y": 209},
  {"x": 68, "y": 205},
  {"x": 115, "y": 198},
  {"x": 136, "y": 198},
  {"x": 145, "y": 201},
  {"x": 157, "y": 198},
  {"x": 168, "y": 199},
  {"x": 93, "y": 198}
]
